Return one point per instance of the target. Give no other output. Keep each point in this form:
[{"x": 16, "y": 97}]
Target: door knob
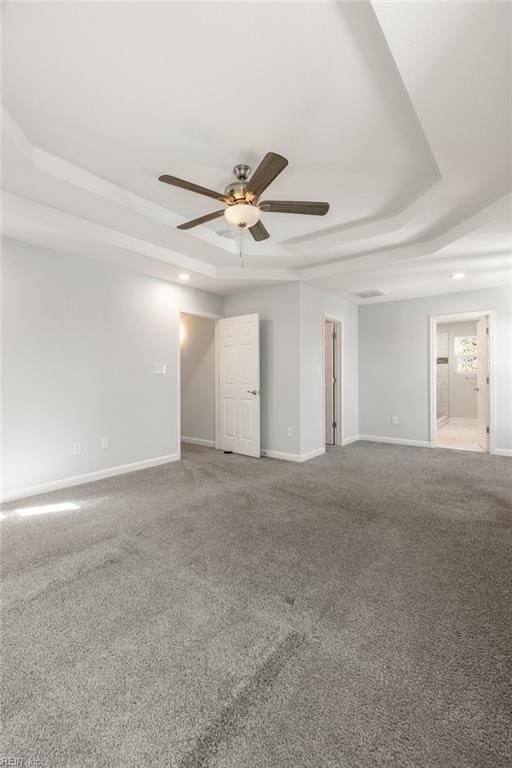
[
  {"x": 476, "y": 389},
  {"x": 253, "y": 391}
]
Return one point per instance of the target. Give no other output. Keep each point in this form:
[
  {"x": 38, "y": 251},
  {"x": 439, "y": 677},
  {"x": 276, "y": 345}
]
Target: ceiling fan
[{"x": 241, "y": 197}]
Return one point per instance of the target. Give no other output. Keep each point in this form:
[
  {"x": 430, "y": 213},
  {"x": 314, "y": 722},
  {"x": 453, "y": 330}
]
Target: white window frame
[{"x": 457, "y": 357}]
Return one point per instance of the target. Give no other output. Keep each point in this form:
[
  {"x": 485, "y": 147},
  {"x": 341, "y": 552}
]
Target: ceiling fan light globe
[{"x": 242, "y": 215}]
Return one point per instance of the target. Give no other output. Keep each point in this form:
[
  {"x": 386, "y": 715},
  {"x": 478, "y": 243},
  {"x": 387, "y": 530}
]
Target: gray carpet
[{"x": 350, "y": 612}]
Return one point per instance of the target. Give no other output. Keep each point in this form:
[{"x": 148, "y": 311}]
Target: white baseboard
[
  {"x": 198, "y": 441},
  {"x": 280, "y": 455},
  {"x": 312, "y": 454},
  {"x": 417, "y": 443},
  {"x": 89, "y": 477},
  {"x": 395, "y": 441},
  {"x": 299, "y": 457},
  {"x": 351, "y": 439}
]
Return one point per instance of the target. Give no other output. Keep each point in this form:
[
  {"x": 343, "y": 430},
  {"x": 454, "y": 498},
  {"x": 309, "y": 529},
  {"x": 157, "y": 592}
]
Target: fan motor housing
[{"x": 237, "y": 189}]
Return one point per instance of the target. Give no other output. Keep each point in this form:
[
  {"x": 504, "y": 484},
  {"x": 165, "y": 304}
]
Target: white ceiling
[{"x": 398, "y": 114}]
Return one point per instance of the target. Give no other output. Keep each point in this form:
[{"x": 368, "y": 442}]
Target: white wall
[
  {"x": 315, "y": 304},
  {"x": 462, "y": 398},
  {"x": 80, "y": 338},
  {"x": 197, "y": 378},
  {"x": 279, "y": 310},
  {"x": 394, "y": 362}
]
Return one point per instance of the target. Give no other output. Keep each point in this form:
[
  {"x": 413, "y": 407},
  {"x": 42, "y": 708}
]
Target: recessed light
[
  {"x": 457, "y": 275},
  {"x": 184, "y": 276}
]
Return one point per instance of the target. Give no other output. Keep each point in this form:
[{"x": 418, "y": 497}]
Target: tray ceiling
[{"x": 397, "y": 114}]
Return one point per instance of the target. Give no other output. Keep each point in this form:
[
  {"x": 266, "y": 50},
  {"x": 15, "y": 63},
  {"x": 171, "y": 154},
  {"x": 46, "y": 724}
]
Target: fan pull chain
[{"x": 240, "y": 246}]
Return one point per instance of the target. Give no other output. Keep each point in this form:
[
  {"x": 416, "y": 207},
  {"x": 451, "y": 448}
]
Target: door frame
[
  {"x": 339, "y": 365},
  {"x": 456, "y": 317},
  {"x": 208, "y": 316}
]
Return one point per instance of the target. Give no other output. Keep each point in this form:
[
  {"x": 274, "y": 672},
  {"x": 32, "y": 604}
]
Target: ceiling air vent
[{"x": 368, "y": 294}]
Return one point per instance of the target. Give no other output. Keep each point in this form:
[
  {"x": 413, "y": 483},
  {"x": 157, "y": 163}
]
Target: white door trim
[
  {"x": 460, "y": 317},
  {"x": 217, "y": 387},
  {"x": 339, "y": 373}
]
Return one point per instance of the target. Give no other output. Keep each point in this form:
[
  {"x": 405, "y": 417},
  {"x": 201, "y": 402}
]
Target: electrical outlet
[
  {"x": 77, "y": 449},
  {"x": 105, "y": 443},
  {"x": 291, "y": 432},
  {"x": 394, "y": 420}
]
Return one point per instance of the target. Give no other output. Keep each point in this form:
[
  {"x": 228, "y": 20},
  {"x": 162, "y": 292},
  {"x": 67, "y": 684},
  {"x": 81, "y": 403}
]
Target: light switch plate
[{"x": 159, "y": 369}]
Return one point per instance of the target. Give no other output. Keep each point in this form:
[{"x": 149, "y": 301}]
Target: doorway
[
  {"x": 332, "y": 381},
  {"x": 461, "y": 382},
  {"x": 197, "y": 380},
  {"x": 219, "y": 382}
]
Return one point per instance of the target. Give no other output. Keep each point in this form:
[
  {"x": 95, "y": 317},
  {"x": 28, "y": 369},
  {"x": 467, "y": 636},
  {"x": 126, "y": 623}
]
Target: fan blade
[
  {"x": 201, "y": 220},
  {"x": 175, "y": 182},
  {"x": 259, "y": 231},
  {"x": 294, "y": 206},
  {"x": 269, "y": 168}
]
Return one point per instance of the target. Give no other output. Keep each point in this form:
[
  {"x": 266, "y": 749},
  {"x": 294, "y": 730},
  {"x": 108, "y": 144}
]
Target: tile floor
[{"x": 462, "y": 435}]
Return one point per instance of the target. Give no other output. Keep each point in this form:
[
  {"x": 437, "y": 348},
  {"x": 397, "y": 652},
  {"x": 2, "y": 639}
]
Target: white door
[
  {"x": 239, "y": 384},
  {"x": 330, "y": 383},
  {"x": 482, "y": 383}
]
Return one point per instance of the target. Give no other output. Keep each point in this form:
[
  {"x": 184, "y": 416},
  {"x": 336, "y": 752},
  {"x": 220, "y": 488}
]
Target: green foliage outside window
[{"x": 466, "y": 354}]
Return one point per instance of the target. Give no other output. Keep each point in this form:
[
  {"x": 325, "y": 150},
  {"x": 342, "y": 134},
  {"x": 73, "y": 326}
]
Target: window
[{"x": 466, "y": 354}]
